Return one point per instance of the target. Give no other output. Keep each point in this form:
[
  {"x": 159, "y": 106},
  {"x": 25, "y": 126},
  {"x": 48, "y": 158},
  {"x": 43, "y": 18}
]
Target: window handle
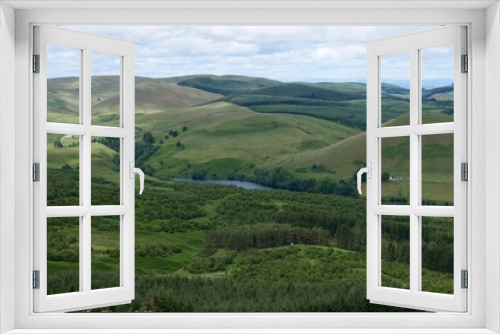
[
  {"x": 137, "y": 171},
  {"x": 368, "y": 171}
]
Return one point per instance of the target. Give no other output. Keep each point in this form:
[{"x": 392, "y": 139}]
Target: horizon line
[{"x": 362, "y": 82}]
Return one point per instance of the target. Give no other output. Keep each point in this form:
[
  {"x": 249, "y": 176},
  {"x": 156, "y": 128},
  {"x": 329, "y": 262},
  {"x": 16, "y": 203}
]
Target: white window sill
[{"x": 251, "y": 331}]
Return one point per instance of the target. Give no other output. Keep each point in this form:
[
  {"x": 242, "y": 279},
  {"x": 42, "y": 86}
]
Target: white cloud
[
  {"x": 332, "y": 53},
  {"x": 296, "y": 53}
]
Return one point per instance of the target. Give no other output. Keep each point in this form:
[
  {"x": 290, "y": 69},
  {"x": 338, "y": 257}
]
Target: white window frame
[
  {"x": 483, "y": 312},
  {"x": 86, "y": 44},
  {"x": 375, "y": 133}
]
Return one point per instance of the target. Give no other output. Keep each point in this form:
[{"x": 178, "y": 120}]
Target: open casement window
[
  {"x": 77, "y": 143},
  {"x": 416, "y": 198}
]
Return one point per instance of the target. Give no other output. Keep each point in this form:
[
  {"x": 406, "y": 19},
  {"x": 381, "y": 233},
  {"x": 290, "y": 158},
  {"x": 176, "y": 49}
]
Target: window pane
[
  {"x": 395, "y": 171},
  {"x": 63, "y": 84},
  {"x": 105, "y": 71},
  {"x": 105, "y": 188},
  {"x": 437, "y": 254},
  {"x": 437, "y": 169},
  {"x": 63, "y": 255},
  {"x": 395, "y": 89},
  {"x": 63, "y": 170},
  {"x": 105, "y": 260},
  {"x": 395, "y": 252},
  {"x": 437, "y": 84}
]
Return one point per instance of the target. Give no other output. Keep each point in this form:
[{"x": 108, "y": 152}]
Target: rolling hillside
[
  {"x": 152, "y": 96},
  {"x": 344, "y": 158},
  {"x": 226, "y": 84},
  {"x": 223, "y": 139},
  {"x": 203, "y": 247},
  {"x": 230, "y": 126}
]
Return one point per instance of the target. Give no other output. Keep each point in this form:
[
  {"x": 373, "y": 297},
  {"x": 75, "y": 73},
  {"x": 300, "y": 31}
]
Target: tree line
[{"x": 244, "y": 237}]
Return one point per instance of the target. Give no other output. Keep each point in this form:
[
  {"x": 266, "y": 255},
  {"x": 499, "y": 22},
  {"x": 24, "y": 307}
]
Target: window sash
[
  {"x": 414, "y": 298},
  {"x": 86, "y": 298}
]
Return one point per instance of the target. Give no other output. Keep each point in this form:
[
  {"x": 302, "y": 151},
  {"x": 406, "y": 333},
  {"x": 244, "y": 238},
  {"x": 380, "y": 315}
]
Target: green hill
[
  {"x": 438, "y": 93},
  {"x": 388, "y": 88},
  {"x": 194, "y": 131},
  {"x": 308, "y": 91},
  {"x": 344, "y": 103},
  {"x": 63, "y": 100},
  {"x": 151, "y": 96},
  {"x": 226, "y": 84},
  {"x": 310, "y": 130},
  {"x": 341, "y": 160},
  {"x": 222, "y": 138},
  {"x": 155, "y": 97},
  {"x": 230, "y": 249}
]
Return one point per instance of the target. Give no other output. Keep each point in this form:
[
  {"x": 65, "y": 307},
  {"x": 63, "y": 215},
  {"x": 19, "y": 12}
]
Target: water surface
[{"x": 241, "y": 184}]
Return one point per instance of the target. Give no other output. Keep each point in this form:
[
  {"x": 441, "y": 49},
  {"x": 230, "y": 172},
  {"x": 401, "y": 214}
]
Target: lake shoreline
[{"x": 234, "y": 183}]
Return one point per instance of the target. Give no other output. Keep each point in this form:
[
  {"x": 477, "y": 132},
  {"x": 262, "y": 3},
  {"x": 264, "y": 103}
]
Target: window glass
[
  {"x": 437, "y": 169},
  {"x": 105, "y": 167},
  {"x": 437, "y": 84},
  {"x": 63, "y": 170},
  {"x": 395, "y": 171},
  {"x": 63, "y": 84},
  {"x": 395, "y": 89},
  {"x": 105, "y": 260},
  {"x": 437, "y": 254},
  {"x": 63, "y": 259},
  {"x": 106, "y": 103},
  {"x": 395, "y": 252}
]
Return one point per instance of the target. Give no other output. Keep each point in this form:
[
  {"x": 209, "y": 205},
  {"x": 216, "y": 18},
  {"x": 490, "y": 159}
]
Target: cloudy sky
[{"x": 296, "y": 53}]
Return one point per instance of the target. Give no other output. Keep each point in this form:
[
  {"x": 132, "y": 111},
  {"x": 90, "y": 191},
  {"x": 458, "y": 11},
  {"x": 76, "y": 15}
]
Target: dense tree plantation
[{"x": 214, "y": 248}]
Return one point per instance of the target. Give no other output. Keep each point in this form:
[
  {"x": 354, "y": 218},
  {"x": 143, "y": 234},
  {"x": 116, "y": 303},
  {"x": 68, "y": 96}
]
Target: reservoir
[{"x": 241, "y": 184}]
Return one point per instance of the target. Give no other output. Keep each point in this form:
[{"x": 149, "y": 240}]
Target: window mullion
[
  {"x": 82, "y": 235},
  {"x": 414, "y": 170},
  {"x": 85, "y": 245}
]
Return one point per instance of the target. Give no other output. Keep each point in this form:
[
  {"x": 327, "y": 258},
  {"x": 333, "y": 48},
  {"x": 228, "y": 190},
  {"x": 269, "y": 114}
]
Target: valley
[{"x": 203, "y": 247}]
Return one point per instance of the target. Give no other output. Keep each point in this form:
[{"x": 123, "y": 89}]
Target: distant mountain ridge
[{"x": 340, "y": 102}]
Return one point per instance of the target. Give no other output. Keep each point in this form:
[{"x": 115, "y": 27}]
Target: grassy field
[
  {"x": 224, "y": 138},
  {"x": 344, "y": 158}
]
